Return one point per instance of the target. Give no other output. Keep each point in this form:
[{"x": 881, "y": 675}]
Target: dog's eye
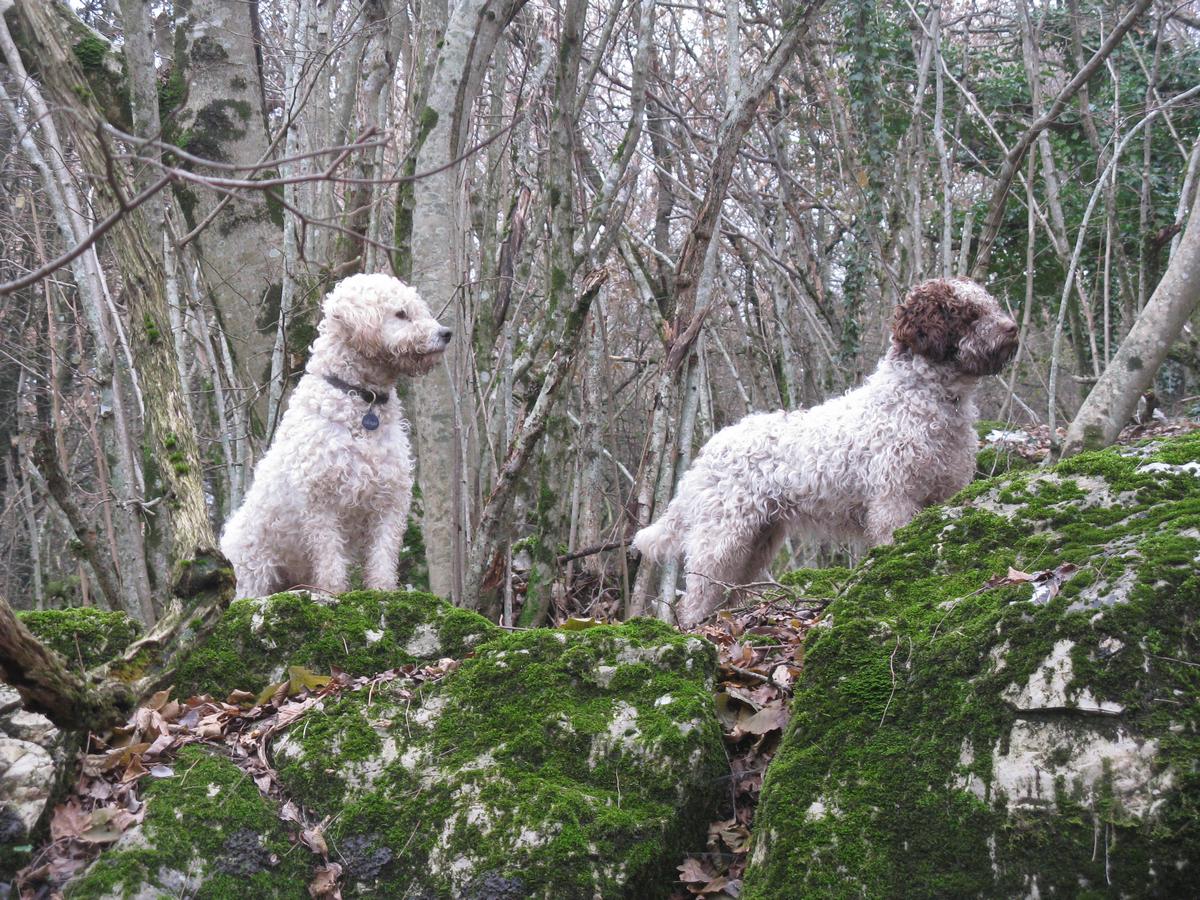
[{"x": 401, "y": 314}]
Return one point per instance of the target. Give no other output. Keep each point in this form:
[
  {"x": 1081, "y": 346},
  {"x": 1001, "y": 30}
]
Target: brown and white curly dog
[{"x": 853, "y": 469}]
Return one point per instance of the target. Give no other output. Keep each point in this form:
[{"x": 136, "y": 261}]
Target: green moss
[
  {"x": 817, "y": 583},
  {"x": 413, "y": 569},
  {"x": 215, "y": 125},
  {"x": 172, "y": 91},
  {"x": 514, "y": 766},
  {"x": 206, "y": 827},
  {"x": 992, "y": 461},
  {"x": 187, "y": 203},
  {"x": 153, "y": 334},
  {"x": 90, "y": 51},
  {"x": 84, "y": 636},
  {"x": 903, "y": 698},
  {"x": 132, "y": 669},
  {"x": 275, "y": 210},
  {"x": 208, "y": 50},
  {"x": 429, "y": 119},
  {"x": 363, "y": 632}
]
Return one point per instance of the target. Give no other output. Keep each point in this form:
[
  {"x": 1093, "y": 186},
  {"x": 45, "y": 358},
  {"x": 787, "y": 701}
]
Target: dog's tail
[{"x": 662, "y": 539}]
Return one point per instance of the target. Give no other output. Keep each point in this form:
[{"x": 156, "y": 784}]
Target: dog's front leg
[
  {"x": 886, "y": 514},
  {"x": 326, "y": 548},
  {"x": 386, "y": 537}
]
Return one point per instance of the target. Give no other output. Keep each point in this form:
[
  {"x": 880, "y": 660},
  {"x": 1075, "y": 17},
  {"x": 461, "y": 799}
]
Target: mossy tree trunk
[
  {"x": 45, "y": 42},
  {"x": 201, "y": 584},
  {"x": 216, "y": 86},
  {"x": 48, "y": 687}
]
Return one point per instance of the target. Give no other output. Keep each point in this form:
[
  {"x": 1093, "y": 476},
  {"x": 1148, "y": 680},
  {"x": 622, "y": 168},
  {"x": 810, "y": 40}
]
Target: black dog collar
[{"x": 370, "y": 421}]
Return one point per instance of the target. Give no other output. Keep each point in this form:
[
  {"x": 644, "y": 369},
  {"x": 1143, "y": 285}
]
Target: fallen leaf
[
  {"x": 576, "y": 624},
  {"x": 105, "y": 826},
  {"x": 692, "y": 872},
  {"x": 1014, "y": 576},
  {"x": 784, "y": 677},
  {"x": 1047, "y": 584},
  {"x": 324, "y": 885},
  {"x": 727, "y": 710},
  {"x": 290, "y": 812},
  {"x": 161, "y": 744},
  {"x": 69, "y": 820},
  {"x": 158, "y": 699},
  {"x": 301, "y": 678},
  {"x": 134, "y": 770},
  {"x": 771, "y": 717},
  {"x": 269, "y": 692},
  {"x": 314, "y": 840},
  {"x": 716, "y": 886}
]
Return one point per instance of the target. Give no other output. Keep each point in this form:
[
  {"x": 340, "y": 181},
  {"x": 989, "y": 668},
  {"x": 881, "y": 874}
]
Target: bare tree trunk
[
  {"x": 1115, "y": 396},
  {"x": 465, "y": 51},
  {"x": 24, "y": 497}
]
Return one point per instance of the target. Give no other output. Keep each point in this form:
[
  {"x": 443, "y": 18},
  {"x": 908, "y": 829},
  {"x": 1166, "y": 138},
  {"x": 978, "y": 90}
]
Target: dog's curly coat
[
  {"x": 853, "y": 469},
  {"x": 332, "y": 490}
]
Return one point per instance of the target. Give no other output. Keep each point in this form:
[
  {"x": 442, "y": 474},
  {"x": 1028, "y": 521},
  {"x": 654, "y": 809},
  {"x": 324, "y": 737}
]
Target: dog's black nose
[{"x": 445, "y": 334}]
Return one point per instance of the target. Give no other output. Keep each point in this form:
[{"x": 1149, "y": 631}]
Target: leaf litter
[
  {"x": 760, "y": 651},
  {"x": 106, "y": 798}
]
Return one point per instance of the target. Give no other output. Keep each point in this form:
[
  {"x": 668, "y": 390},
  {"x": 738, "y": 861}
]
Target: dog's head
[
  {"x": 386, "y": 321},
  {"x": 956, "y": 322}
]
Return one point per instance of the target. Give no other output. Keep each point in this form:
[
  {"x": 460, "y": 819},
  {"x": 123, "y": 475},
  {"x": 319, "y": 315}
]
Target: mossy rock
[
  {"x": 999, "y": 460},
  {"x": 84, "y": 636},
  {"x": 953, "y": 740},
  {"x": 555, "y": 764},
  {"x": 819, "y": 584},
  {"x": 208, "y": 833},
  {"x": 362, "y": 632}
]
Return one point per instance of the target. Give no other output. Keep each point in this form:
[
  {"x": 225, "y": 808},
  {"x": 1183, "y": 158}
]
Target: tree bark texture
[
  {"x": 47, "y": 45},
  {"x": 220, "y": 112},
  {"x": 471, "y": 34}
]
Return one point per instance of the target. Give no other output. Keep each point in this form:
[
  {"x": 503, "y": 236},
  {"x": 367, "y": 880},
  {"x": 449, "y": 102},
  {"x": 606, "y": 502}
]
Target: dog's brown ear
[{"x": 925, "y": 321}]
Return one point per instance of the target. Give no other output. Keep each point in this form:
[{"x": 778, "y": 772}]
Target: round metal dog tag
[{"x": 370, "y": 421}]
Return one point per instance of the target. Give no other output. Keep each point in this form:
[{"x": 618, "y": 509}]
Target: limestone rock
[
  {"x": 953, "y": 740},
  {"x": 30, "y": 751},
  {"x": 551, "y": 764},
  {"x": 547, "y": 763}
]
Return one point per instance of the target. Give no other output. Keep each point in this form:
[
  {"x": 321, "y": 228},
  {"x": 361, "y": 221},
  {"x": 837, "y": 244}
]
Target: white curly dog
[
  {"x": 336, "y": 484},
  {"x": 853, "y": 469}
]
